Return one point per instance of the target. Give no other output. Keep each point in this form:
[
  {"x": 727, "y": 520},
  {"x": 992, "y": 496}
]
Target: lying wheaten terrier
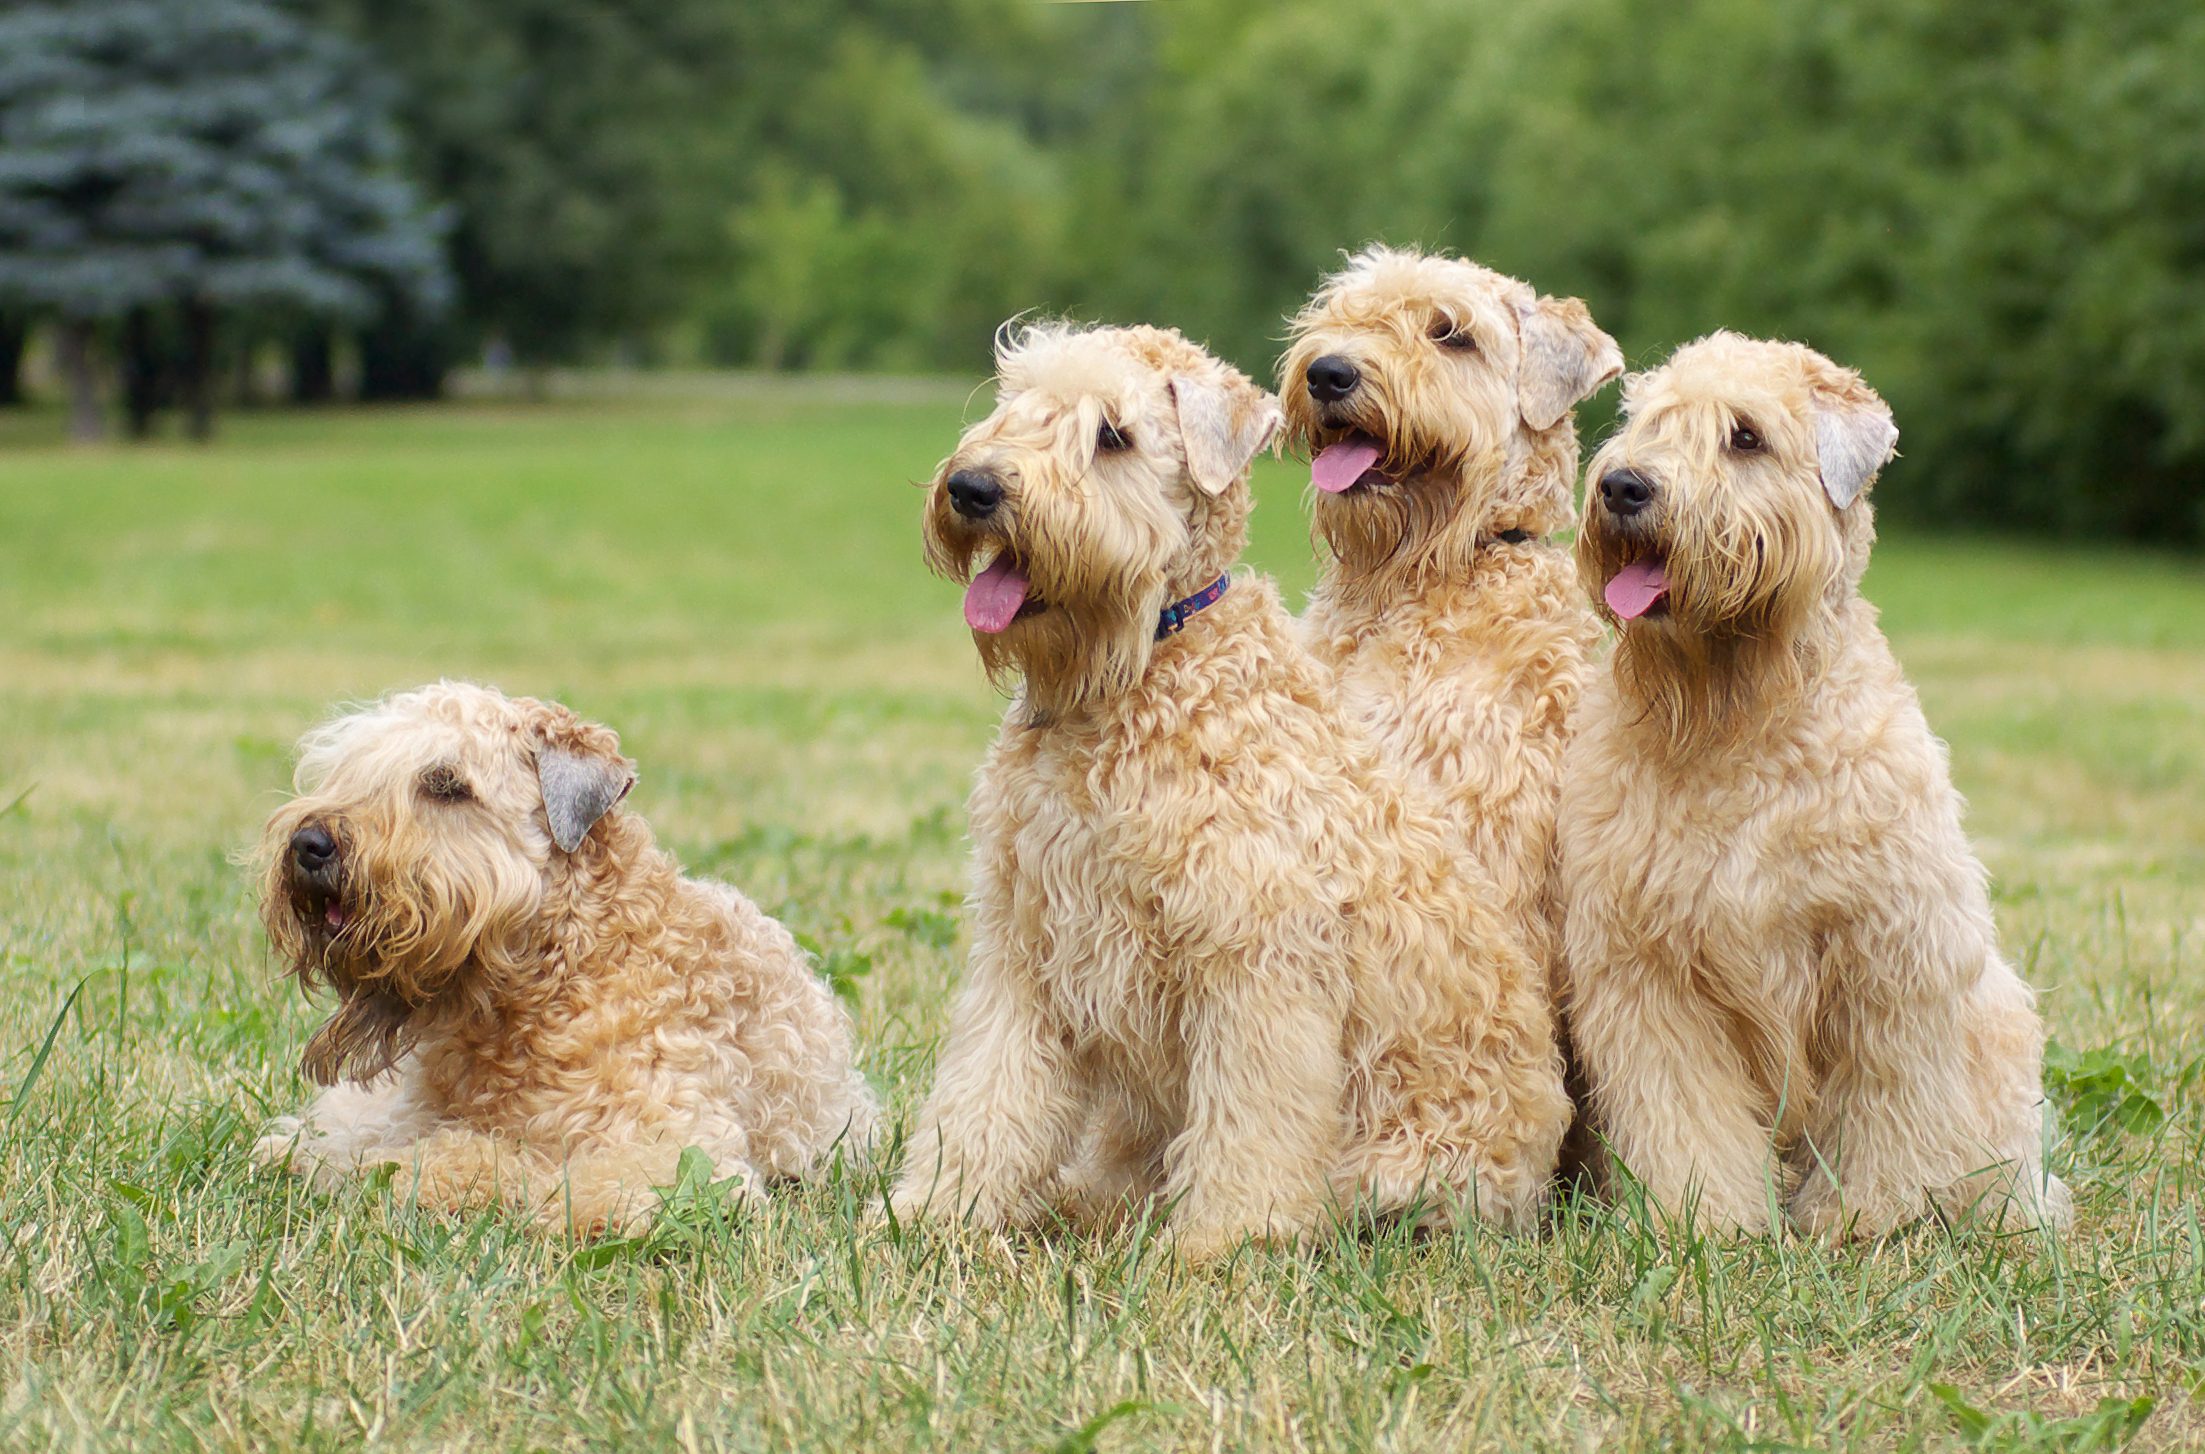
[
  {"x": 1782, "y": 972},
  {"x": 1435, "y": 397},
  {"x": 534, "y": 1007},
  {"x": 1212, "y": 940}
]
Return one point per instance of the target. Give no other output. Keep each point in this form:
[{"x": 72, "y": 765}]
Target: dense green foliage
[
  {"x": 164, "y": 150},
  {"x": 1997, "y": 211},
  {"x": 197, "y": 157},
  {"x": 591, "y": 152}
]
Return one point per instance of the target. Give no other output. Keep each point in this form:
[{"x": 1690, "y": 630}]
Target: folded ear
[
  {"x": 1854, "y": 438},
  {"x": 1564, "y": 358},
  {"x": 1223, "y": 426},
  {"x": 579, "y": 788}
]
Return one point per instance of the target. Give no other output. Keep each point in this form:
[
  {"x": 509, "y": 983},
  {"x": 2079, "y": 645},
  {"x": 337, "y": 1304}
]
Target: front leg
[
  {"x": 1005, "y": 1103},
  {"x": 1117, "y": 1169},
  {"x": 1457, "y": 1104},
  {"x": 611, "y": 1190},
  {"x": 1265, "y": 1075},
  {"x": 1671, "y": 1093},
  {"x": 1934, "y": 1091},
  {"x": 348, "y": 1129}
]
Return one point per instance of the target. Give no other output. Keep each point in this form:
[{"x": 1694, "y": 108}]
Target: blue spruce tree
[{"x": 167, "y": 163}]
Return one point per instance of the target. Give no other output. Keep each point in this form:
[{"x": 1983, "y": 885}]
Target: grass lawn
[{"x": 732, "y": 579}]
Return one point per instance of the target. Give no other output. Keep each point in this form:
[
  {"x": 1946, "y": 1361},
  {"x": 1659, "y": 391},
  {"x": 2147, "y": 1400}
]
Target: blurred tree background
[
  {"x": 169, "y": 164},
  {"x": 1998, "y": 212}
]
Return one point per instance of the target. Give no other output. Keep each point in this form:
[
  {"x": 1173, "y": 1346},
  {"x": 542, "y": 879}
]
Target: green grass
[{"x": 732, "y": 579}]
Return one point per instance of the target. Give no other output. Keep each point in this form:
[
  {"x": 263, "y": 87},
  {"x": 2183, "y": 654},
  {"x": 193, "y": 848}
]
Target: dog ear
[
  {"x": 1854, "y": 438},
  {"x": 579, "y": 788},
  {"x": 360, "y": 1041},
  {"x": 1223, "y": 427},
  {"x": 1564, "y": 358}
]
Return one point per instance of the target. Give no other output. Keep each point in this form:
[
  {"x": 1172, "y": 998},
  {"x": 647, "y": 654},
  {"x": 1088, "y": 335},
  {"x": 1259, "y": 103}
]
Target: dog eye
[
  {"x": 445, "y": 785},
  {"x": 1745, "y": 439},
  {"x": 1448, "y": 334},
  {"x": 1110, "y": 439}
]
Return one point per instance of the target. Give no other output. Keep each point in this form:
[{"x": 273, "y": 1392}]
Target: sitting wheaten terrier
[
  {"x": 1213, "y": 942},
  {"x": 1782, "y": 972},
  {"x": 1434, "y": 396},
  {"x": 534, "y": 1007}
]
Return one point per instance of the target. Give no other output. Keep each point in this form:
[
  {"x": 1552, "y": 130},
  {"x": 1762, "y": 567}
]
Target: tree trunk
[
  {"x": 401, "y": 359},
  {"x": 313, "y": 367},
  {"x": 85, "y": 424},
  {"x": 14, "y": 334},
  {"x": 244, "y": 380},
  {"x": 142, "y": 368},
  {"x": 199, "y": 368}
]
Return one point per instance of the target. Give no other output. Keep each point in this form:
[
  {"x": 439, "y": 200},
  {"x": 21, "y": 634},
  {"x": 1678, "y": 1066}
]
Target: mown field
[{"x": 731, "y": 577}]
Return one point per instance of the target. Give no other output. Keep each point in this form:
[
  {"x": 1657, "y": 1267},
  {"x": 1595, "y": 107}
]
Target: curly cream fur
[
  {"x": 1783, "y": 975},
  {"x": 1463, "y": 653},
  {"x": 520, "y": 1024},
  {"x": 1218, "y": 953}
]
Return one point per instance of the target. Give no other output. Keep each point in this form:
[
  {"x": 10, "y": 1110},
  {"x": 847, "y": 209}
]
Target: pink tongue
[
  {"x": 1636, "y": 588},
  {"x": 993, "y": 598},
  {"x": 1340, "y": 465}
]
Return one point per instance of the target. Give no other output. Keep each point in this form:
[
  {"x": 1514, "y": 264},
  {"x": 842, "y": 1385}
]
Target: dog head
[
  {"x": 1433, "y": 397},
  {"x": 1731, "y": 499},
  {"x": 1730, "y": 506},
  {"x": 422, "y": 857},
  {"x": 1109, "y": 480}
]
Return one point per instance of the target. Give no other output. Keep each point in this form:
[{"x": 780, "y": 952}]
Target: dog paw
[
  {"x": 278, "y": 1145},
  {"x": 1199, "y": 1242},
  {"x": 1209, "y": 1244},
  {"x": 907, "y": 1205},
  {"x": 2051, "y": 1204},
  {"x": 1829, "y": 1215},
  {"x": 2015, "y": 1200}
]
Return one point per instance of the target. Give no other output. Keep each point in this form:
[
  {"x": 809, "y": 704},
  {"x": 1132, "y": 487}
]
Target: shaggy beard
[
  {"x": 1069, "y": 658},
  {"x": 1392, "y": 530},
  {"x": 1387, "y": 537},
  {"x": 400, "y": 955},
  {"x": 1701, "y": 691},
  {"x": 1093, "y": 641},
  {"x": 1738, "y": 638}
]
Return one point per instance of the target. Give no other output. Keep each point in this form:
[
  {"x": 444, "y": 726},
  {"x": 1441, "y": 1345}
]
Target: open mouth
[
  {"x": 1639, "y": 589},
  {"x": 1000, "y": 595},
  {"x": 1347, "y": 462},
  {"x": 320, "y": 906},
  {"x": 326, "y": 913}
]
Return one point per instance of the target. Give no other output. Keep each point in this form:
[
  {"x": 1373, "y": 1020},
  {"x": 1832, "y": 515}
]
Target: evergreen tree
[
  {"x": 589, "y": 150},
  {"x": 164, "y": 162}
]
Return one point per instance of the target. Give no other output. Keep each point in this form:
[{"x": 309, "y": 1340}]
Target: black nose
[
  {"x": 313, "y": 850},
  {"x": 973, "y": 494},
  {"x": 1626, "y": 492},
  {"x": 1332, "y": 378}
]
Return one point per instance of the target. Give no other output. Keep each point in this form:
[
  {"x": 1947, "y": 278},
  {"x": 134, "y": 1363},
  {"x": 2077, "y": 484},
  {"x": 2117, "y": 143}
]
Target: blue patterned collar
[{"x": 1174, "y": 619}]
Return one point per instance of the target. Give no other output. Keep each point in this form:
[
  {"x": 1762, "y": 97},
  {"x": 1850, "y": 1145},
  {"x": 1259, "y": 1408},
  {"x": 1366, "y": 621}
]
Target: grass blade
[{"x": 46, "y": 1048}]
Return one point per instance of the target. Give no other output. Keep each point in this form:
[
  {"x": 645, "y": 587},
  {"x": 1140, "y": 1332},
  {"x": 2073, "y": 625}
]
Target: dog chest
[{"x": 1129, "y": 887}]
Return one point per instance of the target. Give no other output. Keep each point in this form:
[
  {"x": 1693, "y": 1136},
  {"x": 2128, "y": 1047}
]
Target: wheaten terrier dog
[
  {"x": 534, "y": 1007},
  {"x": 1435, "y": 397},
  {"x": 1782, "y": 972},
  {"x": 1212, "y": 939}
]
